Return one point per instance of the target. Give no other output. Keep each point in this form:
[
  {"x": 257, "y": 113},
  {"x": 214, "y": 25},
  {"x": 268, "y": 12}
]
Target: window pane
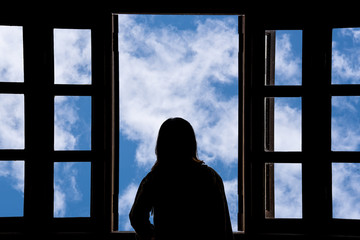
[
  {"x": 283, "y": 124},
  {"x": 283, "y": 190},
  {"x": 11, "y": 54},
  {"x": 12, "y": 121},
  {"x": 72, "y": 52},
  {"x": 283, "y": 57},
  {"x": 345, "y": 119},
  {"x": 345, "y": 190},
  {"x": 11, "y": 188},
  {"x": 72, "y": 187},
  {"x": 72, "y": 130},
  {"x": 345, "y": 56},
  {"x": 177, "y": 66}
]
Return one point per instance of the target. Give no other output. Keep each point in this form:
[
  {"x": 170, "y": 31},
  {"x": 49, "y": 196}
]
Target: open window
[
  {"x": 52, "y": 114},
  {"x": 344, "y": 121},
  {"x": 282, "y": 124},
  {"x": 297, "y": 131},
  {"x": 186, "y": 66},
  {"x": 304, "y": 162},
  {"x": 12, "y": 121}
]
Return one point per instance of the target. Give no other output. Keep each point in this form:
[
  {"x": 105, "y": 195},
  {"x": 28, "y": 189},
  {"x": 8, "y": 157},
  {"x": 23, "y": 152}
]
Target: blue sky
[
  {"x": 345, "y": 123},
  {"x": 176, "y": 66},
  {"x": 11, "y": 122},
  {"x": 287, "y": 124},
  {"x": 72, "y": 120}
]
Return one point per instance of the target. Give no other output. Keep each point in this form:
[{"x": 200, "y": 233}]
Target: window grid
[
  {"x": 317, "y": 213},
  {"x": 316, "y": 156},
  {"x": 38, "y": 154},
  {"x": 342, "y": 225},
  {"x": 9, "y": 154}
]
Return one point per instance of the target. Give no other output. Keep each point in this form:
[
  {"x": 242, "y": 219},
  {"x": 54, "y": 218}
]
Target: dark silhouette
[{"x": 186, "y": 197}]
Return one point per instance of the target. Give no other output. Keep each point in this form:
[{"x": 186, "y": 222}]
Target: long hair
[{"x": 176, "y": 143}]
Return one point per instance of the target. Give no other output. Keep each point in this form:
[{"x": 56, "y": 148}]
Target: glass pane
[
  {"x": 72, "y": 189},
  {"x": 283, "y": 190},
  {"x": 12, "y": 135},
  {"x": 11, "y": 188},
  {"x": 72, "y": 130},
  {"x": 345, "y": 56},
  {"x": 283, "y": 57},
  {"x": 11, "y": 54},
  {"x": 345, "y": 119},
  {"x": 178, "y": 66},
  {"x": 72, "y": 53},
  {"x": 345, "y": 190},
  {"x": 283, "y": 124}
]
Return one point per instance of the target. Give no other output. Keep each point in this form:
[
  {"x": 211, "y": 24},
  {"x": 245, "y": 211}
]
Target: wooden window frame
[
  {"x": 316, "y": 155},
  {"x": 241, "y": 25},
  {"x": 39, "y": 155},
  {"x": 39, "y": 91}
]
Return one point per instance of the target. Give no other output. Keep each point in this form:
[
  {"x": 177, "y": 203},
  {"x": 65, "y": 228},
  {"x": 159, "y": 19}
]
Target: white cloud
[
  {"x": 66, "y": 188},
  {"x": 345, "y": 59},
  {"x": 345, "y": 131},
  {"x": 344, "y": 69},
  {"x": 72, "y": 52},
  {"x": 72, "y": 123},
  {"x": 14, "y": 170},
  {"x": 66, "y": 117},
  {"x": 231, "y": 191},
  {"x": 126, "y": 200},
  {"x": 288, "y": 190},
  {"x": 59, "y": 202},
  {"x": 11, "y": 54},
  {"x": 346, "y": 190},
  {"x": 12, "y": 121},
  {"x": 287, "y": 126},
  {"x": 287, "y": 65},
  {"x": 353, "y": 33},
  {"x": 11, "y": 105},
  {"x": 344, "y": 137},
  {"x": 167, "y": 73}
]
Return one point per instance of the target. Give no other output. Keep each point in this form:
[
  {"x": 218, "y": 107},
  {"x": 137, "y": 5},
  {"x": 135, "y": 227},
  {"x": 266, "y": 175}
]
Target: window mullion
[
  {"x": 316, "y": 128},
  {"x": 39, "y": 126},
  {"x": 115, "y": 125}
]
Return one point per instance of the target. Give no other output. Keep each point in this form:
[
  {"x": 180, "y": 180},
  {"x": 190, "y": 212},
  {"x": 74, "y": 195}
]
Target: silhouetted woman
[{"x": 186, "y": 197}]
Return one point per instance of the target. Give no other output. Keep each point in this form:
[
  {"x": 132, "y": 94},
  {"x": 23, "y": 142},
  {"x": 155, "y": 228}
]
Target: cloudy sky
[
  {"x": 287, "y": 124},
  {"x": 345, "y": 123},
  {"x": 11, "y": 122},
  {"x": 176, "y": 66},
  {"x": 72, "y": 117}
]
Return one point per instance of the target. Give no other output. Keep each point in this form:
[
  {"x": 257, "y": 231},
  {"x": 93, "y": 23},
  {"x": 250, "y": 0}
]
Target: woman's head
[{"x": 176, "y": 142}]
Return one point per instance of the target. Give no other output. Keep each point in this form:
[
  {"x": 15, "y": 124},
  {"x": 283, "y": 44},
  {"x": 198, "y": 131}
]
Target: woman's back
[
  {"x": 188, "y": 203},
  {"x": 186, "y": 197}
]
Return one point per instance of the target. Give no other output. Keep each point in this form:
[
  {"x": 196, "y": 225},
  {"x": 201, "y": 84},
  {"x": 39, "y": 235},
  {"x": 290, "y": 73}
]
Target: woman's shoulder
[
  {"x": 148, "y": 179},
  {"x": 211, "y": 172}
]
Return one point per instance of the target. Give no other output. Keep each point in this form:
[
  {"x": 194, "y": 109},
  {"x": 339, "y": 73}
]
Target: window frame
[
  {"x": 39, "y": 156},
  {"x": 261, "y": 157},
  {"x": 241, "y": 75},
  {"x": 9, "y": 223},
  {"x": 316, "y": 120},
  {"x": 339, "y": 225},
  {"x": 317, "y": 205}
]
